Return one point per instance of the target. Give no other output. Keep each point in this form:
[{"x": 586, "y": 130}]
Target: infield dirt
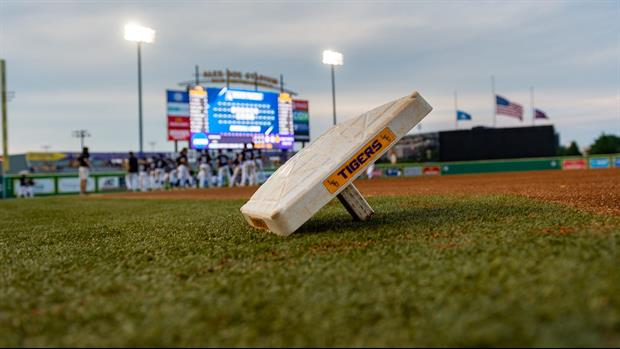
[{"x": 593, "y": 190}]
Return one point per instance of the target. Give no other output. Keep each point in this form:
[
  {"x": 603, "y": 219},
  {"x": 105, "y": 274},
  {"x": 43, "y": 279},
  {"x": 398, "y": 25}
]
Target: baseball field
[{"x": 512, "y": 259}]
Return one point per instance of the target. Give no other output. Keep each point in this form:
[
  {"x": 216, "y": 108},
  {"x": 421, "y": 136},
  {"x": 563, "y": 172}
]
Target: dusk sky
[{"x": 70, "y": 68}]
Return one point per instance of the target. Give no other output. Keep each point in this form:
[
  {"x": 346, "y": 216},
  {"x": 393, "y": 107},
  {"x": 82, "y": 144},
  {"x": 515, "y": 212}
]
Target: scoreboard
[{"x": 230, "y": 118}]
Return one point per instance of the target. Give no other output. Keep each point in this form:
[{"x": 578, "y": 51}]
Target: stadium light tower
[
  {"x": 81, "y": 134},
  {"x": 333, "y": 58},
  {"x": 139, "y": 34}
]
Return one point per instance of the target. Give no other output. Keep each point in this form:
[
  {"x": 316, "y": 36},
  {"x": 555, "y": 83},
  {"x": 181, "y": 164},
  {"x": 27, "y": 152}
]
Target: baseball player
[
  {"x": 238, "y": 168},
  {"x": 221, "y": 161},
  {"x": 84, "y": 169},
  {"x": 132, "y": 172},
  {"x": 183, "y": 173}
]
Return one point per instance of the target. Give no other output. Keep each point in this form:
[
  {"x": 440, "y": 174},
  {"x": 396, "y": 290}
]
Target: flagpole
[
  {"x": 494, "y": 101},
  {"x": 532, "y": 104},
  {"x": 456, "y": 113}
]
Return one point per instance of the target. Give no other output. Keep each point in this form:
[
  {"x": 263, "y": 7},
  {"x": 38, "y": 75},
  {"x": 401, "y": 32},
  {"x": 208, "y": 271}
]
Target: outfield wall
[
  {"x": 99, "y": 182},
  {"x": 67, "y": 184},
  {"x": 64, "y": 184},
  {"x": 493, "y": 166}
]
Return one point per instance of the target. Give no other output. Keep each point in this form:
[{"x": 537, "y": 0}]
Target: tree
[
  {"x": 572, "y": 150},
  {"x": 605, "y": 144}
]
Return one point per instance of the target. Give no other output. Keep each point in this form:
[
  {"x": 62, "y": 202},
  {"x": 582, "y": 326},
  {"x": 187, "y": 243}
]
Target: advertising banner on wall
[
  {"x": 431, "y": 170},
  {"x": 412, "y": 171},
  {"x": 72, "y": 185},
  {"x": 574, "y": 164},
  {"x": 178, "y": 128},
  {"x": 599, "y": 163},
  {"x": 178, "y": 112},
  {"x": 109, "y": 183},
  {"x": 301, "y": 120},
  {"x": 41, "y": 186}
]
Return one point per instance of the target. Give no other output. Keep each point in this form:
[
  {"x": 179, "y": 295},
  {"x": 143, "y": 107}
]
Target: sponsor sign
[
  {"x": 39, "y": 156},
  {"x": 391, "y": 172},
  {"x": 574, "y": 164},
  {"x": 238, "y": 77},
  {"x": 301, "y": 120},
  {"x": 178, "y": 112},
  {"x": 431, "y": 170},
  {"x": 41, "y": 186},
  {"x": 599, "y": 163},
  {"x": 178, "y": 128},
  {"x": 72, "y": 185},
  {"x": 412, "y": 171},
  {"x": 366, "y": 155},
  {"x": 617, "y": 161},
  {"x": 109, "y": 183}
]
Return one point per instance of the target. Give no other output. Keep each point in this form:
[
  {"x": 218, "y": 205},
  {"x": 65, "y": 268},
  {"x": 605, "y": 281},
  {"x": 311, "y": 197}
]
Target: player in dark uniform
[
  {"x": 237, "y": 168},
  {"x": 221, "y": 163},
  {"x": 183, "y": 171},
  {"x": 84, "y": 169},
  {"x": 160, "y": 171},
  {"x": 132, "y": 172}
]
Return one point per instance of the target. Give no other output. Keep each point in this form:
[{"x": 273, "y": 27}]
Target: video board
[{"x": 230, "y": 118}]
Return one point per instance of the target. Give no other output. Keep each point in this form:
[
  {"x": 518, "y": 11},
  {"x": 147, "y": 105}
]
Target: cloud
[{"x": 69, "y": 65}]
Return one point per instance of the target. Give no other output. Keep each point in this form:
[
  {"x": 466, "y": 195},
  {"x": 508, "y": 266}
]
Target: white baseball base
[{"x": 329, "y": 165}]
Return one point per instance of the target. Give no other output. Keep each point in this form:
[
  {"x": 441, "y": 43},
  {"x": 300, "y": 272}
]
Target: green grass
[{"x": 436, "y": 271}]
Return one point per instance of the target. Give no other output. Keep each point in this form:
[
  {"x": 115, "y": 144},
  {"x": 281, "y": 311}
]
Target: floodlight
[
  {"x": 328, "y": 166},
  {"x": 332, "y": 57},
  {"x": 138, "y": 33}
]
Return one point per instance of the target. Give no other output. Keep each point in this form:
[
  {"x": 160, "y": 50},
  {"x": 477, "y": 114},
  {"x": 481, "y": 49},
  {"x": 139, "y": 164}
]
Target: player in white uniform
[
  {"x": 84, "y": 169},
  {"x": 238, "y": 169},
  {"x": 369, "y": 170},
  {"x": 143, "y": 176},
  {"x": 258, "y": 162},
  {"x": 248, "y": 168},
  {"x": 184, "y": 177},
  {"x": 204, "y": 175}
]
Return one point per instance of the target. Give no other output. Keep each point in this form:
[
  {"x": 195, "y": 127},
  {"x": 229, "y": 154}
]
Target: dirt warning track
[{"x": 593, "y": 190}]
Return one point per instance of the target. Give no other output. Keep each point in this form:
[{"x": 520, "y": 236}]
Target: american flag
[
  {"x": 506, "y": 107},
  {"x": 539, "y": 114}
]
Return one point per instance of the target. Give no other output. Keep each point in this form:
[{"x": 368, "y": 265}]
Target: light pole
[
  {"x": 333, "y": 58},
  {"x": 81, "y": 134},
  {"x": 5, "y": 132},
  {"x": 139, "y": 34}
]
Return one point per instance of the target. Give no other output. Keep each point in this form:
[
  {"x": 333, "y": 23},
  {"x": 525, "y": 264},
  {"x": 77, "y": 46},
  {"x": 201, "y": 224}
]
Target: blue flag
[{"x": 461, "y": 115}]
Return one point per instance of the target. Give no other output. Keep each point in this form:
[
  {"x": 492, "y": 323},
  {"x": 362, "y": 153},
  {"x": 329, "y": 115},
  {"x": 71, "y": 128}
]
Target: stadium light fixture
[
  {"x": 139, "y": 34},
  {"x": 333, "y": 58}
]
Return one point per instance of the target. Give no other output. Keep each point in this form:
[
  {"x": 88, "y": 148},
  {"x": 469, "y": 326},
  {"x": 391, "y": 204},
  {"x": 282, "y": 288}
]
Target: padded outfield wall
[
  {"x": 60, "y": 184},
  {"x": 491, "y": 166}
]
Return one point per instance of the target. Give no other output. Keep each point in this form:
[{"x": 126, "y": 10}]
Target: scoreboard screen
[{"x": 233, "y": 117}]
